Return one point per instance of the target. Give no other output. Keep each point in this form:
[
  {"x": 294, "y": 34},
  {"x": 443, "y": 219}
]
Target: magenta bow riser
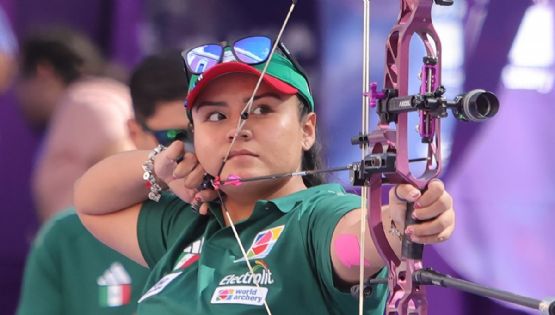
[
  {"x": 385, "y": 157},
  {"x": 405, "y": 296}
]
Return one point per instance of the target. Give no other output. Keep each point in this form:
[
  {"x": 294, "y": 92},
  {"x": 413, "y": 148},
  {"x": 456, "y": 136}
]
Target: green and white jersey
[
  {"x": 198, "y": 267},
  {"x": 68, "y": 271}
]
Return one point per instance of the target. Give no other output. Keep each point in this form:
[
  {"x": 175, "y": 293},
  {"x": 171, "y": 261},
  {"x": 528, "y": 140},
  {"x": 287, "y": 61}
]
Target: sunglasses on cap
[
  {"x": 250, "y": 50},
  {"x": 165, "y": 137}
]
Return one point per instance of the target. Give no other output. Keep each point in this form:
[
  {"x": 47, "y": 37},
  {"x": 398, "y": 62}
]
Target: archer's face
[{"x": 271, "y": 141}]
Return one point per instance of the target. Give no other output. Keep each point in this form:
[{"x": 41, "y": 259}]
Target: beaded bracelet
[{"x": 148, "y": 175}]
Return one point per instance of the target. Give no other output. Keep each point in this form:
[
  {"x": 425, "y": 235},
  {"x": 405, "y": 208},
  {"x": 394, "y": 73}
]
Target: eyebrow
[{"x": 256, "y": 97}]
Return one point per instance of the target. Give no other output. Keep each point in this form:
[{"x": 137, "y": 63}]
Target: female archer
[{"x": 288, "y": 244}]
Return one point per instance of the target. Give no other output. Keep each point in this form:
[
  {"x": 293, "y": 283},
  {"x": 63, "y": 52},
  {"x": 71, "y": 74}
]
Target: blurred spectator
[
  {"x": 61, "y": 90},
  {"x": 68, "y": 270},
  {"x": 16, "y": 148},
  {"x": 158, "y": 90},
  {"x": 8, "y": 48}
]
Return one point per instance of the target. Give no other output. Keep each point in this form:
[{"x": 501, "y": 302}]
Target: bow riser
[
  {"x": 405, "y": 296},
  {"x": 415, "y": 18}
]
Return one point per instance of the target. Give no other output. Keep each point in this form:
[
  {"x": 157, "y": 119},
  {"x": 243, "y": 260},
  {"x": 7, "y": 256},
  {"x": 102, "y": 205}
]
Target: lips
[{"x": 242, "y": 152}]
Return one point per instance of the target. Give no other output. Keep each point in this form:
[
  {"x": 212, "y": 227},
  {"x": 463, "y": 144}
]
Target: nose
[{"x": 244, "y": 134}]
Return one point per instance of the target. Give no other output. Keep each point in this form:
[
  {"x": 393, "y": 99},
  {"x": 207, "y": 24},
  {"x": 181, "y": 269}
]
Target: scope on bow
[
  {"x": 475, "y": 105},
  {"x": 444, "y": 2}
]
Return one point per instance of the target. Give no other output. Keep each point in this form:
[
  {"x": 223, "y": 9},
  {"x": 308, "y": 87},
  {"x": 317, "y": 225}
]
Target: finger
[
  {"x": 444, "y": 203},
  {"x": 434, "y": 191},
  {"x": 194, "y": 178},
  {"x": 206, "y": 195},
  {"x": 203, "y": 209},
  {"x": 164, "y": 164},
  {"x": 398, "y": 196},
  {"x": 433, "y": 227},
  {"x": 176, "y": 186},
  {"x": 402, "y": 193},
  {"x": 427, "y": 239},
  {"x": 175, "y": 150},
  {"x": 185, "y": 167},
  {"x": 201, "y": 198},
  {"x": 431, "y": 239}
]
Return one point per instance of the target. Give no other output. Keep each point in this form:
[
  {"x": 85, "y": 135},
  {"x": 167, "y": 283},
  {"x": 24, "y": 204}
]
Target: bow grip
[{"x": 409, "y": 249}]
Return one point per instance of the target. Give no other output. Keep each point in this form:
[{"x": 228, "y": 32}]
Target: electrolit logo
[
  {"x": 264, "y": 277},
  {"x": 263, "y": 243}
]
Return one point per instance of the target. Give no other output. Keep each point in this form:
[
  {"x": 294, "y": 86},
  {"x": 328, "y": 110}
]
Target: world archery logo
[
  {"x": 225, "y": 295},
  {"x": 248, "y": 295},
  {"x": 263, "y": 243}
]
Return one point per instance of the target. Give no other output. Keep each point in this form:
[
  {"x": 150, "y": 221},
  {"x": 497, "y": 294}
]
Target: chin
[
  {"x": 242, "y": 173},
  {"x": 243, "y": 170},
  {"x": 258, "y": 188}
]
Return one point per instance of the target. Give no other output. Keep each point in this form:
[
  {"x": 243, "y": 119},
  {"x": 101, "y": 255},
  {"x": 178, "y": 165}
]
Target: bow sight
[{"x": 476, "y": 105}]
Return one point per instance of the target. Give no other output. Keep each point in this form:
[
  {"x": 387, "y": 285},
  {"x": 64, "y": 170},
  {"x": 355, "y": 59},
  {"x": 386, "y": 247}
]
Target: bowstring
[
  {"x": 240, "y": 124},
  {"x": 365, "y": 191},
  {"x": 251, "y": 270},
  {"x": 248, "y": 107}
]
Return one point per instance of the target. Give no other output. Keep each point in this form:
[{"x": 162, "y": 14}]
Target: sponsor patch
[
  {"x": 114, "y": 286},
  {"x": 263, "y": 277},
  {"x": 189, "y": 255},
  {"x": 249, "y": 295},
  {"x": 160, "y": 285},
  {"x": 263, "y": 243}
]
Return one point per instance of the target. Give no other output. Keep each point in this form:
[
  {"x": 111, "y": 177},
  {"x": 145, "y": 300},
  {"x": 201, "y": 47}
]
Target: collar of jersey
[
  {"x": 287, "y": 203},
  {"x": 284, "y": 204}
]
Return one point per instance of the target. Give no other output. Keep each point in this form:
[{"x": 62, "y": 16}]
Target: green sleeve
[
  {"x": 41, "y": 292},
  {"x": 160, "y": 224},
  {"x": 329, "y": 208}
]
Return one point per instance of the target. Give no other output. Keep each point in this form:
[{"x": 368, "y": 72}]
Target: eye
[
  {"x": 216, "y": 116},
  {"x": 261, "y": 109}
]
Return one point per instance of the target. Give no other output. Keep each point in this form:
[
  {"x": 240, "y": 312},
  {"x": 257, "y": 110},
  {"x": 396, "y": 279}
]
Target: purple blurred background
[{"x": 499, "y": 172}]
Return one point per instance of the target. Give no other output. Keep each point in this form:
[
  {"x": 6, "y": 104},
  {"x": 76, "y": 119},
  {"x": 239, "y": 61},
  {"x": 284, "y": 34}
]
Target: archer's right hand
[{"x": 183, "y": 177}]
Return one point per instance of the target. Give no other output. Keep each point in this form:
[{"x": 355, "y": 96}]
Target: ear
[
  {"x": 136, "y": 132},
  {"x": 309, "y": 131}
]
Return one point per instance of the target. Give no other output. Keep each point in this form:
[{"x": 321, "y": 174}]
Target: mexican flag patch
[
  {"x": 115, "y": 295},
  {"x": 114, "y": 286}
]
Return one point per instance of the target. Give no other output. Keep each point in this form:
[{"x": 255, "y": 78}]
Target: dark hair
[
  {"x": 158, "y": 78},
  {"x": 70, "y": 53},
  {"x": 311, "y": 159}
]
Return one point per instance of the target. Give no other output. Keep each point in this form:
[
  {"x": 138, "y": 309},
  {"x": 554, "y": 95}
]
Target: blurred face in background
[
  {"x": 38, "y": 94},
  {"x": 168, "y": 119}
]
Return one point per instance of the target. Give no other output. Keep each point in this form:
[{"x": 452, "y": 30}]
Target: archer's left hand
[{"x": 435, "y": 207}]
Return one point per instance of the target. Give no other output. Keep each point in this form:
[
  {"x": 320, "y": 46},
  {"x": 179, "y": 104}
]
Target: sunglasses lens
[
  {"x": 203, "y": 58},
  {"x": 166, "y": 137},
  {"x": 253, "y": 50}
]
